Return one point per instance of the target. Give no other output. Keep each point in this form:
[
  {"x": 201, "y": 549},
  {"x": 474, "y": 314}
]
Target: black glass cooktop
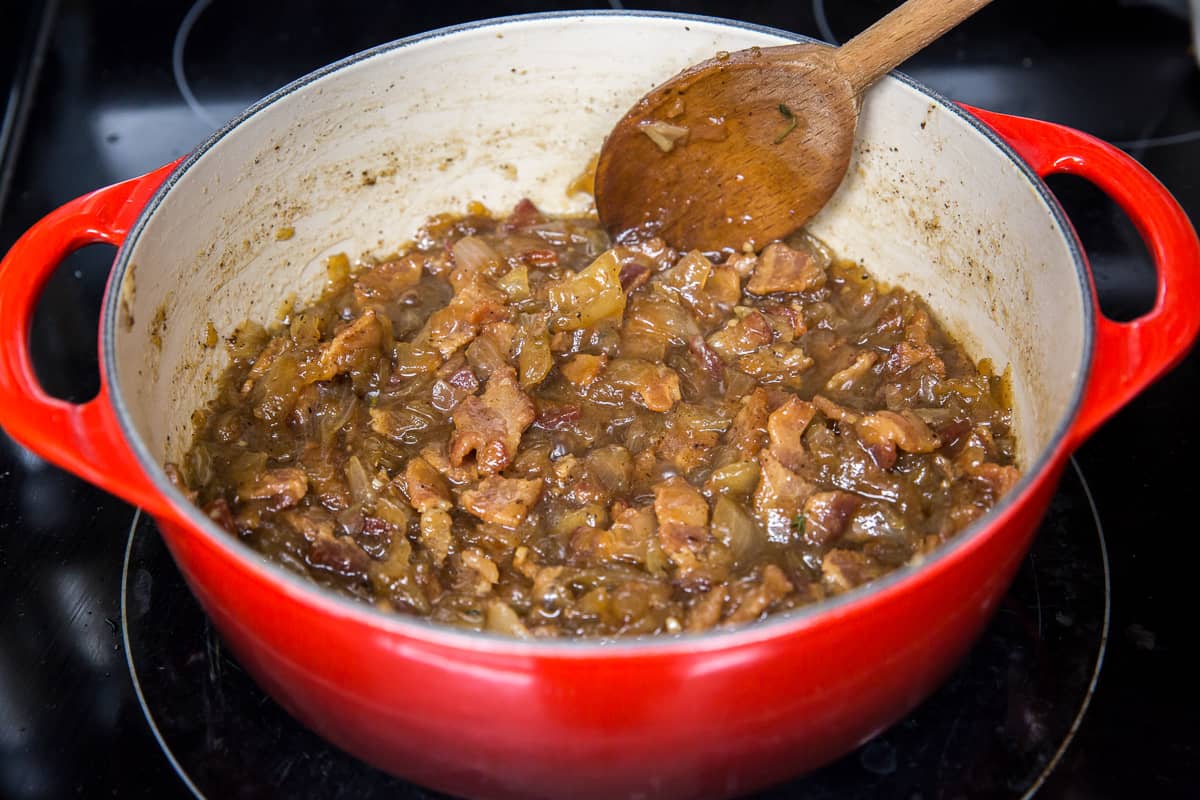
[{"x": 111, "y": 681}]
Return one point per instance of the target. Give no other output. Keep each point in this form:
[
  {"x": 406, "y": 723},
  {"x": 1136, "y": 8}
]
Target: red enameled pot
[{"x": 945, "y": 200}]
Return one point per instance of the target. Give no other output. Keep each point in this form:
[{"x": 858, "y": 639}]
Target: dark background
[{"x": 91, "y": 97}]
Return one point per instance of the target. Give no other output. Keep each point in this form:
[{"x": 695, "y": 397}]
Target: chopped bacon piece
[
  {"x": 425, "y": 486},
  {"x": 882, "y": 431},
  {"x": 743, "y": 264},
  {"x": 683, "y": 533},
  {"x": 491, "y": 424},
  {"x": 387, "y": 281},
  {"x": 284, "y": 487},
  {"x": 263, "y": 362},
  {"x": 339, "y": 555},
  {"x": 633, "y": 275},
  {"x": 524, "y": 214},
  {"x": 916, "y": 330},
  {"x": 904, "y": 429},
  {"x": 627, "y": 540},
  {"x": 220, "y": 512},
  {"x": 546, "y": 590},
  {"x": 436, "y": 533},
  {"x": 749, "y": 427},
  {"x": 906, "y": 355},
  {"x": 481, "y": 430},
  {"x": 741, "y": 336},
  {"x": 176, "y": 477},
  {"x": 707, "y": 358},
  {"x": 826, "y": 515},
  {"x": 492, "y": 348},
  {"x": 777, "y": 363},
  {"x": 502, "y": 501},
  {"x": 653, "y": 251},
  {"x": 883, "y": 454},
  {"x": 999, "y": 479},
  {"x": 571, "y": 480},
  {"x": 376, "y": 536},
  {"x": 688, "y": 449},
  {"x": 772, "y": 587},
  {"x": 451, "y": 390},
  {"x": 554, "y": 418},
  {"x": 652, "y": 386},
  {"x": 688, "y": 276},
  {"x": 785, "y": 427},
  {"x": 326, "y": 550},
  {"x": 347, "y": 346},
  {"x": 458, "y": 323},
  {"x": 439, "y": 460},
  {"x": 481, "y": 573},
  {"x": 951, "y": 432},
  {"x": 473, "y": 259},
  {"x": 583, "y": 368},
  {"x": 310, "y": 523},
  {"x": 724, "y": 287},
  {"x": 464, "y": 378},
  {"x": 845, "y": 379},
  {"x": 834, "y": 411},
  {"x": 538, "y": 257},
  {"x": 679, "y": 509},
  {"x": 842, "y": 570},
  {"x": 780, "y": 495},
  {"x": 706, "y": 611},
  {"x": 787, "y": 321},
  {"x": 783, "y": 269},
  {"x": 501, "y": 618}
]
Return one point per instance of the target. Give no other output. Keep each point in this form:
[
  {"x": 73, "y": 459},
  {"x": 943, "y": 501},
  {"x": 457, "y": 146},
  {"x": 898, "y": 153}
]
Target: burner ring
[{"x": 1101, "y": 650}]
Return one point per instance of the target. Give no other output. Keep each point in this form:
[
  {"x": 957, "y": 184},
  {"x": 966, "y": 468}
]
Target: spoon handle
[{"x": 891, "y": 40}]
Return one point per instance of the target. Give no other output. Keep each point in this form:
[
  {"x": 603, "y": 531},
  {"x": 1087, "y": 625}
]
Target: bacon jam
[{"x": 518, "y": 427}]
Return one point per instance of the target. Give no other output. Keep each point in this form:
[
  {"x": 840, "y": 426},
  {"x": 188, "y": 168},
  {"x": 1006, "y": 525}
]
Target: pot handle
[
  {"x": 83, "y": 438},
  {"x": 1128, "y": 356}
]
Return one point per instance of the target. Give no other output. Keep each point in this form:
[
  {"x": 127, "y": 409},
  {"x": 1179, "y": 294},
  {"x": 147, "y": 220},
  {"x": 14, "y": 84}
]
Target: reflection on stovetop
[
  {"x": 111, "y": 101},
  {"x": 995, "y": 730}
]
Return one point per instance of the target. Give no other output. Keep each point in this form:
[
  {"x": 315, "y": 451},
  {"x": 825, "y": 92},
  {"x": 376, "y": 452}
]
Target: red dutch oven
[{"x": 944, "y": 200}]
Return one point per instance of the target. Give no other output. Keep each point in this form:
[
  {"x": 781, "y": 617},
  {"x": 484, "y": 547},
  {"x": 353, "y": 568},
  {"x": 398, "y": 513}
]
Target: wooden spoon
[{"x": 746, "y": 147}]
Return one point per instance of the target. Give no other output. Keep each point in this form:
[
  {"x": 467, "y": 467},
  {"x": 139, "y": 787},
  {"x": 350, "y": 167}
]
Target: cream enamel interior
[{"x": 355, "y": 160}]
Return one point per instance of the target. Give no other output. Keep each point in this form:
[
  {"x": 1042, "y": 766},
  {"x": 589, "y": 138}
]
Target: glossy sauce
[{"x": 515, "y": 427}]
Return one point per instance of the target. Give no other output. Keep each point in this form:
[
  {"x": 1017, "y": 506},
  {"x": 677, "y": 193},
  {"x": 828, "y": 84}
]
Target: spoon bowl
[
  {"x": 746, "y": 147},
  {"x": 735, "y": 151}
]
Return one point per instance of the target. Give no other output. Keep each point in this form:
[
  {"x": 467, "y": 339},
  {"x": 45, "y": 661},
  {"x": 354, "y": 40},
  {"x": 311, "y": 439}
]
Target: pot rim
[{"x": 826, "y": 611}]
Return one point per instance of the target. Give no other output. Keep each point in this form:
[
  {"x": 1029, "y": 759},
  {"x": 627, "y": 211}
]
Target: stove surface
[{"x": 1081, "y": 687}]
